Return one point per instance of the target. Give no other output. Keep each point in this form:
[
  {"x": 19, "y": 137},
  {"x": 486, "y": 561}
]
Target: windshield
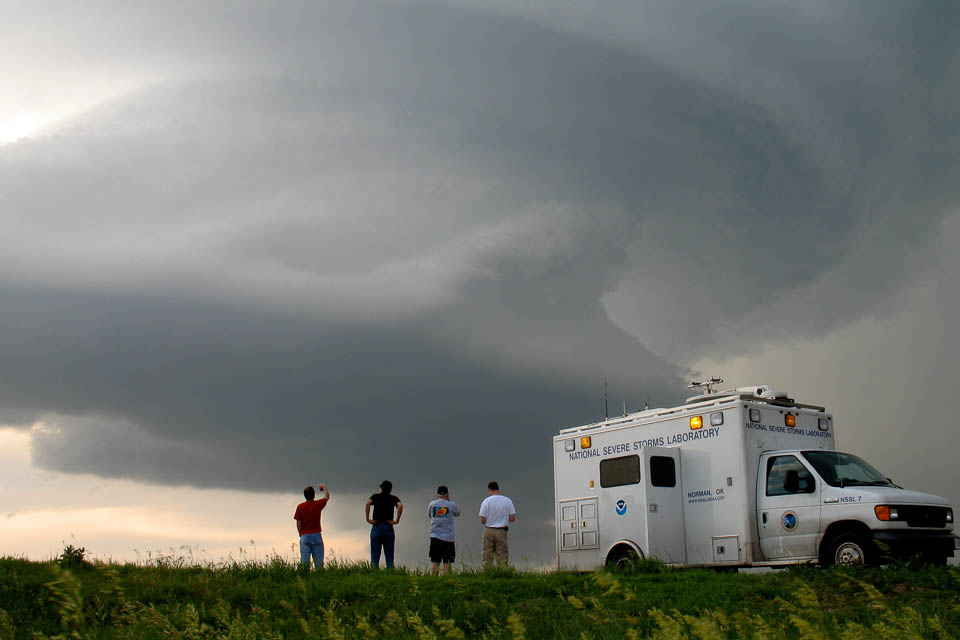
[{"x": 845, "y": 470}]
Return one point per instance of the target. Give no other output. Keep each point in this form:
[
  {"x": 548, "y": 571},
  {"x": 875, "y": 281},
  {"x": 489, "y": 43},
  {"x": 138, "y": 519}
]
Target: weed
[
  {"x": 73, "y": 557},
  {"x": 275, "y": 598}
]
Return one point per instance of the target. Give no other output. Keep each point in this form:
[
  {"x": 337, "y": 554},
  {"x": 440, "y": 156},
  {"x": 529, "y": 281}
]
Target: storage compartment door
[
  {"x": 589, "y": 534},
  {"x": 726, "y": 549},
  {"x": 569, "y": 525},
  {"x": 664, "y": 498}
]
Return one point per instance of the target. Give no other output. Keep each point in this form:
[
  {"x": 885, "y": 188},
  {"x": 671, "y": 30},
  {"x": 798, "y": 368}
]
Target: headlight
[
  {"x": 949, "y": 515},
  {"x": 886, "y": 513}
]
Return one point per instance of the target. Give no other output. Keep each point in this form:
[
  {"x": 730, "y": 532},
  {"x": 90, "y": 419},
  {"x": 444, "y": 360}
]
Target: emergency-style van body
[{"x": 738, "y": 478}]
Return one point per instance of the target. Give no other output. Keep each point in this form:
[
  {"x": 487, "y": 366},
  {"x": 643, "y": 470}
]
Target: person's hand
[
  {"x": 391, "y": 522},
  {"x": 371, "y": 521},
  {"x": 322, "y": 487}
]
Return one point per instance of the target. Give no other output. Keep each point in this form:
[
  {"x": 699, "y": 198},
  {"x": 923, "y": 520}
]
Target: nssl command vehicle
[{"x": 738, "y": 478}]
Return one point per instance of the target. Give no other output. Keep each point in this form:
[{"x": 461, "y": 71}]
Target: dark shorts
[{"x": 442, "y": 550}]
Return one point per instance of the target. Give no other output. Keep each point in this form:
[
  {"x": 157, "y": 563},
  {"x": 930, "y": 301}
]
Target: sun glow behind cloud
[
  {"x": 128, "y": 521},
  {"x": 39, "y": 104},
  {"x": 20, "y": 125}
]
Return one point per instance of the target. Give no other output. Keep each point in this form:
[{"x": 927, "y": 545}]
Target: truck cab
[{"x": 832, "y": 507}]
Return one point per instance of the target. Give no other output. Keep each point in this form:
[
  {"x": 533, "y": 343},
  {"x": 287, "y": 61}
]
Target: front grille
[{"x": 916, "y": 516}]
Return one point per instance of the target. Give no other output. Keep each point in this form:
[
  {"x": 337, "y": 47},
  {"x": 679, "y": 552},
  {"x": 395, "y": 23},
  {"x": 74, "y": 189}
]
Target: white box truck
[{"x": 739, "y": 478}]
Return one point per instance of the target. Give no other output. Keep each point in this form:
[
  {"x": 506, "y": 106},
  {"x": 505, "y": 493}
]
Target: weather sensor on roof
[
  {"x": 705, "y": 386},
  {"x": 762, "y": 391}
]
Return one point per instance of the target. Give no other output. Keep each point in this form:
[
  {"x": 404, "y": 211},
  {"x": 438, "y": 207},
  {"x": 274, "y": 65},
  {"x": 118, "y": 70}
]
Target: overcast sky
[{"x": 248, "y": 247}]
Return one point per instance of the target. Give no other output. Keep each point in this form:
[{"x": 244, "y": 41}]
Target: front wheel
[
  {"x": 850, "y": 550},
  {"x": 936, "y": 559}
]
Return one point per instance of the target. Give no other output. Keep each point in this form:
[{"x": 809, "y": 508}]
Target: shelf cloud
[{"x": 413, "y": 239}]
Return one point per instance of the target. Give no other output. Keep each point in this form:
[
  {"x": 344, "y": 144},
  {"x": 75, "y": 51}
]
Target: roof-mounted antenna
[
  {"x": 705, "y": 387},
  {"x": 646, "y": 405},
  {"x": 624, "y": 408},
  {"x": 606, "y": 413}
]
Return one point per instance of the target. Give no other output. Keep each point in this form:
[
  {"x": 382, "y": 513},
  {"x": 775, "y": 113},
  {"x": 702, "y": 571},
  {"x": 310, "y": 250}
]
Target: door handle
[{"x": 763, "y": 517}]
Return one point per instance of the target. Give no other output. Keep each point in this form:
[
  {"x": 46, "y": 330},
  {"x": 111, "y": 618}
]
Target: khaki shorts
[{"x": 495, "y": 544}]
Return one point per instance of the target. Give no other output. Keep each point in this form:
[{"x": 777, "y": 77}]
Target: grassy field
[{"x": 76, "y": 599}]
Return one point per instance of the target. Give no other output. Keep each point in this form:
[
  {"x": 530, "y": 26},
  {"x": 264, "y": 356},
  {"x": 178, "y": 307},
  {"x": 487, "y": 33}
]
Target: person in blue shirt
[{"x": 441, "y": 512}]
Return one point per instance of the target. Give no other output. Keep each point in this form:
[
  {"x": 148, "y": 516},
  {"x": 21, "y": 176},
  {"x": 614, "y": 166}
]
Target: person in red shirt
[{"x": 308, "y": 526}]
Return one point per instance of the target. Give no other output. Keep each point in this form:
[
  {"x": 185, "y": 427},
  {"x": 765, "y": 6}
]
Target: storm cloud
[{"x": 413, "y": 239}]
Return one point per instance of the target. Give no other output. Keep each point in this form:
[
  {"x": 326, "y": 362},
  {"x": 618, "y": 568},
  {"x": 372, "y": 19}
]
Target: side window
[
  {"x": 663, "y": 471},
  {"x": 786, "y": 476},
  {"x": 616, "y": 472}
]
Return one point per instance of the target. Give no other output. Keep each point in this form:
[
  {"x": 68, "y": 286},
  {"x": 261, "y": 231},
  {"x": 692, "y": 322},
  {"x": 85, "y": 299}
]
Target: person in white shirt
[{"x": 496, "y": 513}]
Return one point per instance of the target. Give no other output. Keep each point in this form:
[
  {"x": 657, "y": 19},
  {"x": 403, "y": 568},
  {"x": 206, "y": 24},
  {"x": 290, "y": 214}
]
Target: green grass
[{"x": 275, "y": 599}]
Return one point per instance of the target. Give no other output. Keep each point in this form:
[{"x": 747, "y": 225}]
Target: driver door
[{"x": 788, "y": 507}]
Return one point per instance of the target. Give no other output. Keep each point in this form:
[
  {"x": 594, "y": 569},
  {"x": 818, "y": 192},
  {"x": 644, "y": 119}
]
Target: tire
[
  {"x": 935, "y": 559},
  {"x": 726, "y": 569},
  {"x": 851, "y": 550},
  {"x": 623, "y": 558}
]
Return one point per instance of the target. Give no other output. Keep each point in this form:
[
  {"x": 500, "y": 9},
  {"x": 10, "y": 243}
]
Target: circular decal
[
  {"x": 621, "y": 507},
  {"x": 789, "y": 521}
]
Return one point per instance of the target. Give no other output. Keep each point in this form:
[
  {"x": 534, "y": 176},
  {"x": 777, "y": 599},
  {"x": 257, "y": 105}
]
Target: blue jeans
[
  {"x": 381, "y": 535},
  {"x": 311, "y": 544}
]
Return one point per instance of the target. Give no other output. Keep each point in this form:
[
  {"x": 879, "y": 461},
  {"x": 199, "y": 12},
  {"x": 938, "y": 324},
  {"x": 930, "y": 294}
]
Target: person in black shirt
[{"x": 382, "y": 534}]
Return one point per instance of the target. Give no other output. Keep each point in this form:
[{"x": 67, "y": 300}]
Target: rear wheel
[
  {"x": 623, "y": 558},
  {"x": 850, "y": 550}
]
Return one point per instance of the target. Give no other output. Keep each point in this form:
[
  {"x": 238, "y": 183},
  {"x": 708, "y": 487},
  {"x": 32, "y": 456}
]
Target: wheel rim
[
  {"x": 626, "y": 561},
  {"x": 849, "y": 553}
]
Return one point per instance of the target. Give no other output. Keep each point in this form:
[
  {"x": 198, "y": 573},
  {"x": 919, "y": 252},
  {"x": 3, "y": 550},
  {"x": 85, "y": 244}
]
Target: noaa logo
[
  {"x": 621, "y": 507},
  {"x": 789, "y": 521}
]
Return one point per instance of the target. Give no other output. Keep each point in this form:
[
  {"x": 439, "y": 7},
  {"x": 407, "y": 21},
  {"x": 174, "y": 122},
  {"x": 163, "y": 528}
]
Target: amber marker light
[
  {"x": 790, "y": 420},
  {"x": 885, "y": 512},
  {"x": 696, "y": 422},
  {"x": 585, "y": 442}
]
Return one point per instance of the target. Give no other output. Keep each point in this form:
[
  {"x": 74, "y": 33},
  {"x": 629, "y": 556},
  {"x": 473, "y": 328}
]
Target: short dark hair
[
  {"x": 442, "y": 490},
  {"x": 309, "y": 493},
  {"x": 493, "y": 486},
  {"x": 386, "y": 486}
]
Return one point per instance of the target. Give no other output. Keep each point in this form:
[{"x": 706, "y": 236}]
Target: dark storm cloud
[
  {"x": 385, "y": 239},
  {"x": 304, "y": 287}
]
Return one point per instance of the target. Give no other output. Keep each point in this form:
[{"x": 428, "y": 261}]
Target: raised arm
[{"x": 326, "y": 492}]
